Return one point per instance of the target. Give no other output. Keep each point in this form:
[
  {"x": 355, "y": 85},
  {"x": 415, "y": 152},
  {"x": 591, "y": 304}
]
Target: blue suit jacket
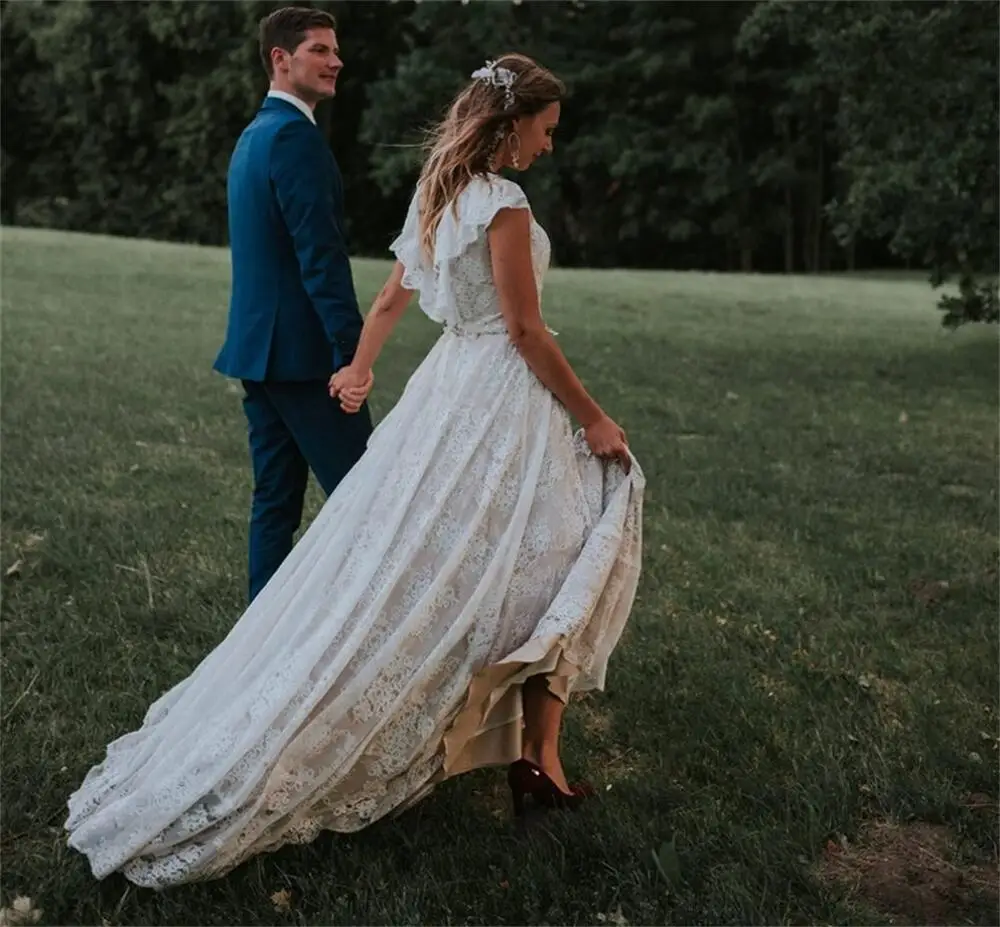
[{"x": 293, "y": 312}]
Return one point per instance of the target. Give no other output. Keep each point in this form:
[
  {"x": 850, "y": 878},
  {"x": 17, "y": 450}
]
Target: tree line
[{"x": 775, "y": 136}]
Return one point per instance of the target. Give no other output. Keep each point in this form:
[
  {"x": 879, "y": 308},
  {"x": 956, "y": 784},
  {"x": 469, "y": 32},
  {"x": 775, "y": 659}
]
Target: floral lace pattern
[
  {"x": 477, "y": 542},
  {"x": 456, "y": 289}
]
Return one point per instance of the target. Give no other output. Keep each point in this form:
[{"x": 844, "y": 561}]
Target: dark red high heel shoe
[{"x": 525, "y": 778}]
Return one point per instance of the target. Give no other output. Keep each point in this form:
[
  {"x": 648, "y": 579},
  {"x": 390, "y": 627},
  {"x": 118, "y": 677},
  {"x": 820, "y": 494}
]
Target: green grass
[{"x": 819, "y": 455}]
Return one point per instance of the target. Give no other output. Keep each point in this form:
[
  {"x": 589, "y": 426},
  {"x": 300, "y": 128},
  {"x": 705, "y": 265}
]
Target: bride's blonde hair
[{"x": 479, "y": 120}]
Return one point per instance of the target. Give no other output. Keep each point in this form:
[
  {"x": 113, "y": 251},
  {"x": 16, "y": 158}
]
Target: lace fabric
[
  {"x": 476, "y": 543},
  {"x": 456, "y": 288}
]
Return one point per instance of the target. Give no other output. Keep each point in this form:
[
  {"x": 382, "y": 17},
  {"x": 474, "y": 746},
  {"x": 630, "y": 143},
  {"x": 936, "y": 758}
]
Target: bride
[{"x": 473, "y": 570}]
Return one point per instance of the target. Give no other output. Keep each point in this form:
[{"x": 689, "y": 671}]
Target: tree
[
  {"x": 625, "y": 65},
  {"x": 916, "y": 86},
  {"x": 37, "y": 180},
  {"x": 712, "y": 135}
]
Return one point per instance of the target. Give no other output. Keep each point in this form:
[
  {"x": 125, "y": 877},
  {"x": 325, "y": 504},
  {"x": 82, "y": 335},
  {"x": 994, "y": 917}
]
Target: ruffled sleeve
[
  {"x": 477, "y": 207},
  {"x": 462, "y": 225},
  {"x": 407, "y": 249}
]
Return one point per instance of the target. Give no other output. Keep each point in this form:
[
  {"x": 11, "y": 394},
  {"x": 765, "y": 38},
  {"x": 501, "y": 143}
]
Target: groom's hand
[{"x": 352, "y": 388}]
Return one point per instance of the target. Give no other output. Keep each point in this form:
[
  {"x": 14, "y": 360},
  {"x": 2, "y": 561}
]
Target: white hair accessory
[{"x": 498, "y": 77}]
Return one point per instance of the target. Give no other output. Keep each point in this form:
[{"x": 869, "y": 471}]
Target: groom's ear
[{"x": 278, "y": 59}]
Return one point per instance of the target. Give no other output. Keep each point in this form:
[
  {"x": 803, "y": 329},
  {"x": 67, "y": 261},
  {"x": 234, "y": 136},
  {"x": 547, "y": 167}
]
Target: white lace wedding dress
[{"x": 477, "y": 542}]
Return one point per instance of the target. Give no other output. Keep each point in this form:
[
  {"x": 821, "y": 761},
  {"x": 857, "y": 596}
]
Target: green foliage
[
  {"x": 976, "y": 302},
  {"x": 764, "y": 136},
  {"x": 917, "y": 102}
]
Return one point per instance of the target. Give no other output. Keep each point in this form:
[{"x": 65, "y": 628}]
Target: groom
[{"x": 293, "y": 313}]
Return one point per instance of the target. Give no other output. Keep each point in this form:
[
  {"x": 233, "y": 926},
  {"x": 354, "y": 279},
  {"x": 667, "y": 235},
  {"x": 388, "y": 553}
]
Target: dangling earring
[{"x": 515, "y": 154}]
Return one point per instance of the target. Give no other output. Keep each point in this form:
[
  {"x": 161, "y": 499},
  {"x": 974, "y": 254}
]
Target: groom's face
[{"x": 313, "y": 68}]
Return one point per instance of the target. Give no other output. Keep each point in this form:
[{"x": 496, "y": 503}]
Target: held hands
[
  {"x": 352, "y": 387},
  {"x": 607, "y": 440}
]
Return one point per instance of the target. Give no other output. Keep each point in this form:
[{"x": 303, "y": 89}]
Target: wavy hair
[{"x": 463, "y": 145}]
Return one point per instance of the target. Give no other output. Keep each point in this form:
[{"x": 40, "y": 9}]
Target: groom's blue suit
[{"x": 293, "y": 321}]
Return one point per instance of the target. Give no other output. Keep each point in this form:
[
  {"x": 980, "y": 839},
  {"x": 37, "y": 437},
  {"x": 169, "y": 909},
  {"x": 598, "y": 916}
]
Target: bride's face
[{"x": 535, "y": 134}]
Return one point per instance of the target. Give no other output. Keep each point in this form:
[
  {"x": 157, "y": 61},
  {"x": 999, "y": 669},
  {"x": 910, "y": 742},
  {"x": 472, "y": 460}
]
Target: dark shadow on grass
[{"x": 451, "y": 858}]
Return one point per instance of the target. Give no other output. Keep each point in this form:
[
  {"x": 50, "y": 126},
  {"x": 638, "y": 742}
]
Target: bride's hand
[
  {"x": 352, "y": 387},
  {"x": 607, "y": 440}
]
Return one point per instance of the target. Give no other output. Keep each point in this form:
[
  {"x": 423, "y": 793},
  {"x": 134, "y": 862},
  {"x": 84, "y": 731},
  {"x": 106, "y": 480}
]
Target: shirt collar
[{"x": 302, "y": 106}]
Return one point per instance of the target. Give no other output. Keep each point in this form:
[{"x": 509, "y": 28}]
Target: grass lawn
[{"x": 801, "y": 723}]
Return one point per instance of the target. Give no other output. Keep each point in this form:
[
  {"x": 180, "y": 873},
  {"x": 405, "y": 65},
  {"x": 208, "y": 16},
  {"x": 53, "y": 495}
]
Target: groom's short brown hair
[{"x": 286, "y": 28}]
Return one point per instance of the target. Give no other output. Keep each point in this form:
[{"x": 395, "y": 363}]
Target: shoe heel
[{"x": 525, "y": 778}]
